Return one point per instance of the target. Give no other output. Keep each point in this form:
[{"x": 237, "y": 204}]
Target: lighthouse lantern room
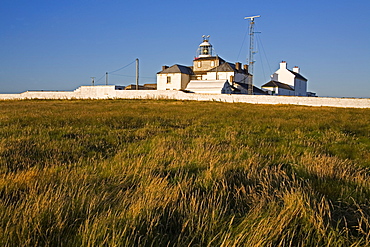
[{"x": 205, "y": 48}]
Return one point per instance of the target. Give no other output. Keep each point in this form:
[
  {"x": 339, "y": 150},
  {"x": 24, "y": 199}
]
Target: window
[
  {"x": 199, "y": 64},
  {"x": 168, "y": 79},
  {"x": 212, "y": 63}
]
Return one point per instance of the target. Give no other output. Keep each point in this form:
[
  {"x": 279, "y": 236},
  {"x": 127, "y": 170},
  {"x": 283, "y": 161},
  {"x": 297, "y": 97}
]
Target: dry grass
[{"x": 172, "y": 173}]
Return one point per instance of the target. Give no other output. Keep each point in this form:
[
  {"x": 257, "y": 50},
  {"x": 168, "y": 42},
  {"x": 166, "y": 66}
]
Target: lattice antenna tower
[{"x": 251, "y": 52}]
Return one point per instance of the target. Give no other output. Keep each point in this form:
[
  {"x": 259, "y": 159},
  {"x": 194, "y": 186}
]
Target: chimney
[
  {"x": 283, "y": 65},
  {"x": 238, "y": 66},
  {"x": 164, "y": 67},
  {"x": 296, "y": 69},
  {"x": 245, "y": 67}
]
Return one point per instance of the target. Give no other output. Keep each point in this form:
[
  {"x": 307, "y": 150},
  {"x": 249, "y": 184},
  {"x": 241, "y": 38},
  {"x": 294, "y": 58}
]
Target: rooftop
[
  {"x": 177, "y": 69},
  {"x": 277, "y": 84}
]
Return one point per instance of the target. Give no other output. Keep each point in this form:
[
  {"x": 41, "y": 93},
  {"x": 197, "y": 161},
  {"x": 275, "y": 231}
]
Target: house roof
[
  {"x": 256, "y": 90},
  {"x": 299, "y": 76},
  {"x": 227, "y": 67},
  {"x": 177, "y": 69},
  {"x": 277, "y": 84},
  {"x": 206, "y": 86},
  {"x": 151, "y": 85}
]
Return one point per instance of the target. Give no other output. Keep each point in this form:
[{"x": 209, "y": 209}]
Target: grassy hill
[{"x": 173, "y": 173}]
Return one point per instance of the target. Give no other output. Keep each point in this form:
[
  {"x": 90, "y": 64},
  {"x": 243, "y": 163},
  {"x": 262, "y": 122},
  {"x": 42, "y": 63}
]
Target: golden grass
[{"x": 172, "y": 173}]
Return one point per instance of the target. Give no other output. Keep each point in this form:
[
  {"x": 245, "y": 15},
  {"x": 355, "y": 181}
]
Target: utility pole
[
  {"x": 216, "y": 66},
  {"x": 106, "y": 78},
  {"x": 92, "y": 80},
  {"x": 251, "y": 53},
  {"x": 137, "y": 74}
]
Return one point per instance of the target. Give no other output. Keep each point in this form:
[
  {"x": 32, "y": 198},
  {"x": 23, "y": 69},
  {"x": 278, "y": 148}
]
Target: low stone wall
[{"x": 109, "y": 92}]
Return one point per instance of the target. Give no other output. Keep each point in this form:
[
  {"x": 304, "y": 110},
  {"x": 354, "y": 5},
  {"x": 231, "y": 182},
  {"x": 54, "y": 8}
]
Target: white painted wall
[
  {"x": 178, "y": 81},
  {"x": 109, "y": 92},
  {"x": 161, "y": 81},
  {"x": 242, "y": 98},
  {"x": 300, "y": 87},
  {"x": 270, "y": 90},
  {"x": 284, "y": 75},
  {"x": 238, "y": 77},
  {"x": 184, "y": 81},
  {"x": 285, "y": 92},
  {"x": 220, "y": 76},
  {"x": 279, "y": 91}
]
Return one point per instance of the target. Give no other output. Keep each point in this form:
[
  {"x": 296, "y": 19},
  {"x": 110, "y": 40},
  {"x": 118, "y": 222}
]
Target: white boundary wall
[{"x": 109, "y": 92}]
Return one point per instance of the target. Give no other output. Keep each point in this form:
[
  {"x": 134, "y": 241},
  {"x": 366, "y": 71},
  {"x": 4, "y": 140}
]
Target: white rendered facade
[
  {"x": 218, "y": 76},
  {"x": 109, "y": 92},
  {"x": 280, "y": 91},
  {"x": 172, "y": 81},
  {"x": 292, "y": 78},
  {"x": 210, "y": 86}
]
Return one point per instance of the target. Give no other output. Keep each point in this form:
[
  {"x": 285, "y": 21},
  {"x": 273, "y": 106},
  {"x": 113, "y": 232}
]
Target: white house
[
  {"x": 287, "y": 82},
  {"x": 175, "y": 77},
  {"x": 209, "y": 74}
]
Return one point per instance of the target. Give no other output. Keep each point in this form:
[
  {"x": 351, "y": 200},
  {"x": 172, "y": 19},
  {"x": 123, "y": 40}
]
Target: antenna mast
[{"x": 251, "y": 53}]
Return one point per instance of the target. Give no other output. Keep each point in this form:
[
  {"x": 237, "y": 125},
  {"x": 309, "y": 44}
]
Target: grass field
[{"x": 173, "y": 173}]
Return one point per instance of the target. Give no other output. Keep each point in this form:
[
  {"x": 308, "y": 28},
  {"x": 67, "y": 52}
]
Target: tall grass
[{"x": 173, "y": 173}]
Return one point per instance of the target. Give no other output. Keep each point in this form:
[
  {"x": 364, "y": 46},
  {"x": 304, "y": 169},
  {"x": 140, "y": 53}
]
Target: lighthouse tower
[{"x": 205, "y": 60}]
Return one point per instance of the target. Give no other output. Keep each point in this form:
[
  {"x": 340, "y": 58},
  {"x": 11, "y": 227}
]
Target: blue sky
[{"x": 59, "y": 45}]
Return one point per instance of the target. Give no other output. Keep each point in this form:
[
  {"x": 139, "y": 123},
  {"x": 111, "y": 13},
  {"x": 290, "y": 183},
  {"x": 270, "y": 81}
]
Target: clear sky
[{"x": 59, "y": 45}]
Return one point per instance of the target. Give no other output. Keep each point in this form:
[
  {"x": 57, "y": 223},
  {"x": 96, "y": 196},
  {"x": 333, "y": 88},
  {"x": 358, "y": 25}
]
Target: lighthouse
[
  {"x": 205, "y": 60},
  {"x": 205, "y": 48},
  {"x": 209, "y": 74}
]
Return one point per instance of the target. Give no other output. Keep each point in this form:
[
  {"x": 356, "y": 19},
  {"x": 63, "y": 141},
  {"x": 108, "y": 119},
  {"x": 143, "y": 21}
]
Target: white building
[
  {"x": 287, "y": 82},
  {"x": 209, "y": 74},
  {"x": 175, "y": 77}
]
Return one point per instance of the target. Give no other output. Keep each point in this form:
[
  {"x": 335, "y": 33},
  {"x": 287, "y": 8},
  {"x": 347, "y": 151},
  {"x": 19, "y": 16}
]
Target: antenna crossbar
[{"x": 252, "y": 17}]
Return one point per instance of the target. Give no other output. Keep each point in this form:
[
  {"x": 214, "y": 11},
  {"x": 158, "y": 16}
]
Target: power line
[
  {"x": 122, "y": 67},
  {"x": 124, "y": 75},
  {"x": 132, "y": 76},
  {"x": 100, "y": 79},
  {"x": 263, "y": 68},
  {"x": 259, "y": 40},
  {"x": 106, "y": 74},
  {"x": 241, "y": 47}
]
